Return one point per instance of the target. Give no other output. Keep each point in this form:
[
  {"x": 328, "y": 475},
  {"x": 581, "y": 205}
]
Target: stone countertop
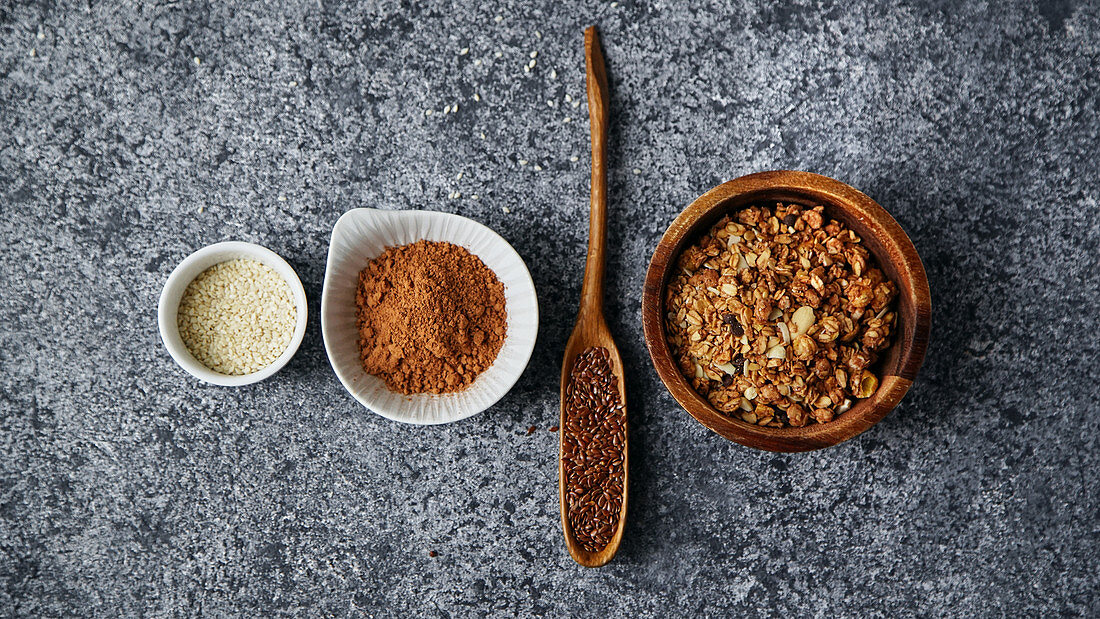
[{"x": 133, "y": 135}]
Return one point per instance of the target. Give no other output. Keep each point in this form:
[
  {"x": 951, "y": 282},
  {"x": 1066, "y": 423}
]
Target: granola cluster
[{"x": 778, "y": 314}]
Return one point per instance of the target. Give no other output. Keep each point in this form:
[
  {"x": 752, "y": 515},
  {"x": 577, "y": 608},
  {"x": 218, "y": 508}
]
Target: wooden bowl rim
[{"x": 864, "y": 414}]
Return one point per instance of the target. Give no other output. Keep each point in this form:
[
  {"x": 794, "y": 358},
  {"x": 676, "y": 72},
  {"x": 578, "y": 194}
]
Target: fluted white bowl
[{"x": 361, "y": 235}]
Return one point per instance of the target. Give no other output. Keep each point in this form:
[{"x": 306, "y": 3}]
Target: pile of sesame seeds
[{"x": 237, "y": 317}]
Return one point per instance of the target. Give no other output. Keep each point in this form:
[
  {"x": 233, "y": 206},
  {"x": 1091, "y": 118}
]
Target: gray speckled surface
[{"x": 128, "y": 488}]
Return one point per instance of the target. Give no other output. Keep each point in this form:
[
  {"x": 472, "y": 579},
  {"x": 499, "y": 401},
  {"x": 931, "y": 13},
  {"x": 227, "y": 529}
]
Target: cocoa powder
[{"x": 431, "y": 317}]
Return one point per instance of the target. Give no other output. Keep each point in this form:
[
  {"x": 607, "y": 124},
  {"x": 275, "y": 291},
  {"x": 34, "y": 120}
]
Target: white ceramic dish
[
  {"x": 363, "y": 234},
  {"x": 188, "y": 270}
]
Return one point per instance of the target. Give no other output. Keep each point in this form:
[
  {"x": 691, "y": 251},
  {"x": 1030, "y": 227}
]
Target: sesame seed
[
  {"x": 458, "y": 194},
  {"x": 576, "y": 104},
  {"x": 499, "y": 54},
  {"x": 637, "y": 170},
  {"x": 202, "y": 208},
  {"x": 614, "y": 5},
  {"x": 41, "y": 35},
  {"x": 538, "y": 168},
  {"x": 551, "y": 103},
  {"x": 483, "y": 136},
  {"x": 474, "y": 197},
  {"x": 282, "y": 198},
  {"x": 498, "y": 18},
  {"x": 459, "y": 177},
  {"x": 477, "y": 63},
  {"x": 477, "y": 97},
  {"x": 523, "y": 162},
  {"x": 34, "y": 52},
  {"x": 534, "y": 54},
  {"x": 553, "y": 74},
  {"x": 293, "y": 84},
  {"x": 198, "y": 60},
  {"x": 574, "y": 158},
  {"x": 464, "y": 51},
  {"x": 567, "y": 120},
  {"x": 568, "y": 98},
  {"x": 427, "y": 112},
  {"x": 454, "y": 108},
  {"x": 526, "y": 69},
  {"x": 533, "y": 63},
  {"x": 506, "y": 209},
  {"x": 538, "y": 35}
]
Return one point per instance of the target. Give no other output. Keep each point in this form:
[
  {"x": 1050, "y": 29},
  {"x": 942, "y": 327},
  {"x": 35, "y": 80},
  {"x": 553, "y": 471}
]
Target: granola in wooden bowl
[{"x": 777, "y": 315}]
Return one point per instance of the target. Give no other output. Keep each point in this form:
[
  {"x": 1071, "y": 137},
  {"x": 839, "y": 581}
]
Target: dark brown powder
[{"x": 431, "y": 317}]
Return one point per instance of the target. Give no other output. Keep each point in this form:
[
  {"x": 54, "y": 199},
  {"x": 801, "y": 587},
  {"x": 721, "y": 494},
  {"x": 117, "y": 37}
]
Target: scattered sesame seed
[
  {"x": 553, "y": 74},
  {"x": 282, "y": 198},
  {"x": 483, "y": 136},
  {"x": 526, "y": 68},
  {"x": 538, "y": 35},
  {"x": 427, "y": 112},
  {"x": 293, "y": 84},
  {"x": 41, "y": 35},
  {"x": 202, "y": 208},
  {"x": 34, "y": 52},
  {"x": 459, "y": 177},
  {"x": 538, "y": 168},
  {"x": 499, "y": 54},
  {"x": 198, "y": 60},
  {"x": 574, "y": 158},
  {"x": 446, "y": 109},
  {"x": 523, "y": 162},
  {"x": 567, "y": 120},
  {"x": 568, "y": 98},
  {"x": 477, "y": 63},
  {"x": 458, "y": 194},
  {"x": 533, "y": 63},
  {"x": 477, "y": 97},
  {"x": 464, "y": 51},
  {"x": 534, "y": 54},
  {"x": 551, "y": 103},
  {"x": 637, "y": 170},
  {"x": 454, "y": 108},
  {"x": 474, "y": 197},
  {"x": 576, "y": 104},
  {"x": 498, "y": 18},
  {"x": 506, "y": 209},
  {"x": 614, "y": 5}
]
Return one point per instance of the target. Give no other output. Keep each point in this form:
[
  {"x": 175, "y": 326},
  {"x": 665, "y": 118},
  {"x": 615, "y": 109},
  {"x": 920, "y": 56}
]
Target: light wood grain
[
  {"x": 591, "y": 328},
  {"x": 880, "y": 233}
]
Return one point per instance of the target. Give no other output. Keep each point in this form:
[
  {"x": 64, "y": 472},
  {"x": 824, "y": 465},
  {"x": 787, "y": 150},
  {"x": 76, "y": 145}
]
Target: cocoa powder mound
[{"x": 431, "y": 317}]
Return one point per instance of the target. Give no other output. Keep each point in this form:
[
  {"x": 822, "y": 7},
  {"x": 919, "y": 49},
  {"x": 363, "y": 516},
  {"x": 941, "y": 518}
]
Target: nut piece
[
  {"x": 802, "y": 319},
  {"x": 868, "y": 383}
]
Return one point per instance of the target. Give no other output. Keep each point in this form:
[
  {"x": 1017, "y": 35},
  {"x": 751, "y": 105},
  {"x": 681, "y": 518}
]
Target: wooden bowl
[{"x": 880, "y": 234}]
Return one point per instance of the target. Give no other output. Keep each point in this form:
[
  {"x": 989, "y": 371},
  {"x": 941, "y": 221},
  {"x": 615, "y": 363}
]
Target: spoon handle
[{"x": 596, "y": 77}]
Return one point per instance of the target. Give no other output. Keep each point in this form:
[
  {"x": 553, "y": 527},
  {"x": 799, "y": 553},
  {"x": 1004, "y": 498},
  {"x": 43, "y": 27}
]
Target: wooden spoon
[{"x": 591, "y": 328}]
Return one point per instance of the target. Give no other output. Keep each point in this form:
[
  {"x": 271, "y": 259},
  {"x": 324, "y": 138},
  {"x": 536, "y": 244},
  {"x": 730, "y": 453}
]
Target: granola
[{"x": 777, "y": 316}]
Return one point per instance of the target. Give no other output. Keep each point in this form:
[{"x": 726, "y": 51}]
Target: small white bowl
[
  {"x": 188, "y": 270},
  {"x": 361, "y": 235}
]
